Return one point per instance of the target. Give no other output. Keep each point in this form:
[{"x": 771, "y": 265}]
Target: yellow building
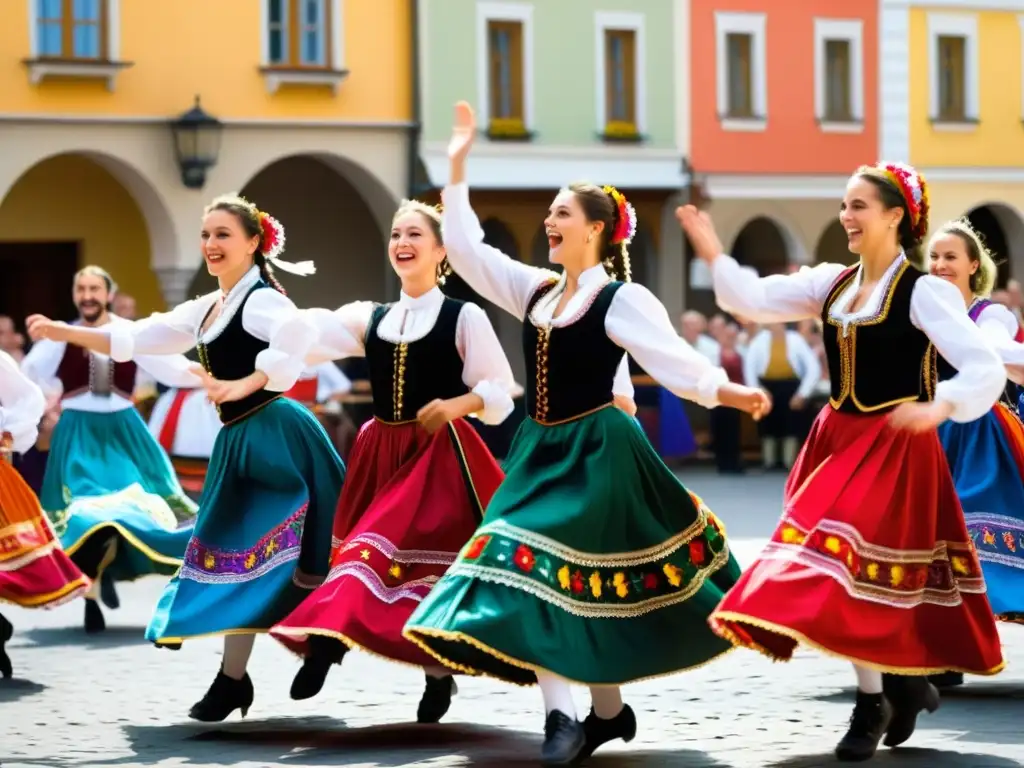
[
  {"x": 312, "y": 101},
  {"x": 953, "y": 104}
]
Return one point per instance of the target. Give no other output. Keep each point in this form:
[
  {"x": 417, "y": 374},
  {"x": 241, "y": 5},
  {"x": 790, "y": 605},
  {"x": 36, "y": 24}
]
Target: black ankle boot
[
  {"x": 909, "y": 696},
  {"x": 437, "y": 698},
  {"x": 564, "y": 740},
  {"x": 870, "y": 719},
  {"x": 224, "y": 697},
  {"x": 94, "y": 621},
  {"x": 946, "y": 680},
  {"x": 323, "y": 653},
  {"x": 599, "y": 731},
  {"x": 108, "y": 592},
  {"x": 6, "y": 632}
]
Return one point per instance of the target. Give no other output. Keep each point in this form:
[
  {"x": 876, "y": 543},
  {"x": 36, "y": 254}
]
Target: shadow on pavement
[
  {"x": 18, "y": 688},
  {"x": 923, "y": 758},
  {"x": 60, "y": 637}
]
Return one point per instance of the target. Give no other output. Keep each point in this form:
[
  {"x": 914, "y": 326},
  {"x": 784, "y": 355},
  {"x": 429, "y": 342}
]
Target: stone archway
[
  {"x": 764, "y": 244},
  {"x": 1002, "y": 228},
  {"x": 833, "y": 246}
]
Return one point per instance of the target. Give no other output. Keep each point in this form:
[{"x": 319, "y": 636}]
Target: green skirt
[{"x": 592, "y": 562}]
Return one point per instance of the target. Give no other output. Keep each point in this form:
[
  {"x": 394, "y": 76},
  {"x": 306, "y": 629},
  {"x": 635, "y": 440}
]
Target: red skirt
[
  {"x": 871, "y": 561},
  {"x": 409, "y": 504},
  {"x": 34, "y": 571}
]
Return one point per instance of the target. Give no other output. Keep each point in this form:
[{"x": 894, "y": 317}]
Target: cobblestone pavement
[{"x": 116, "y": 701}]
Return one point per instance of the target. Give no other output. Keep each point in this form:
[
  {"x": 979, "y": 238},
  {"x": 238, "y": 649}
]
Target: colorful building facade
[{"x": 314, "y": 102}]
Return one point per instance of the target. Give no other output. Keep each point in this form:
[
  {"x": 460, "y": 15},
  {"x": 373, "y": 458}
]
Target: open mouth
[
  {"x": 405, "y": 256},
  {"x": 554, "y": 240},
  {"x": 852, "y": 233},
  {"x": 213, "y": 258}
]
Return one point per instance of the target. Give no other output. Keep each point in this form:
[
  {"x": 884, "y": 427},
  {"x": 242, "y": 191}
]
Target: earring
[{"x": 590, "y": 238}]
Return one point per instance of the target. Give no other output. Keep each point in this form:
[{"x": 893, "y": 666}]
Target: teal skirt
[
  {"x": 592, "y": 562},
  {"x": 262, "y": 539},
  {"x": 107, "y": 474}
]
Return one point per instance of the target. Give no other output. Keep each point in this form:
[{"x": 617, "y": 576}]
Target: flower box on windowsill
[
  {"x": 42, "y": 68},
  {"x": 625, "y": 133},
  {"x": 275, "y": 77},
  {"x": 508, "y": 129}
]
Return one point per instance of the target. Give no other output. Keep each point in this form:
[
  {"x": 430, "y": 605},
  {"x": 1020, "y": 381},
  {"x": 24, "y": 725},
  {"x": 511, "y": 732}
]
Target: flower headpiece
[
  {"x": 914, "y": 189},
  {"x": 273, "y": 246},
  {"x": 625, "y": 219}
]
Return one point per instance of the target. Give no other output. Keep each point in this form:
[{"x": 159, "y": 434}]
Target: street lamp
[{"x": 196, "y": 144}]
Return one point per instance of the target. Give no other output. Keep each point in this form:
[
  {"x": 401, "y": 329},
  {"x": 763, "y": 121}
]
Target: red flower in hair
[{"x": 273, "y": 236}]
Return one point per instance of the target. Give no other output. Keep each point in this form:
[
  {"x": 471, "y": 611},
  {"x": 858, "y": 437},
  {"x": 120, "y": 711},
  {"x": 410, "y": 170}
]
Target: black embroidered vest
[
  {"x": 882, "y": 360},
  {"x": 232, "y": 355},
  {"x": 405, "y": 377},
  {"x": 570, "y": 370}
]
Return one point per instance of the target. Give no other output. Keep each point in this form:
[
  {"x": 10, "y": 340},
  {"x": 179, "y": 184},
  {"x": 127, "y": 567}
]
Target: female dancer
[
  {"x": 262, "y": 536},
  {"x": 986, "y": 456},
  {"x": 419, "y": 476},
  {"x": 34, "y": 571},
  {"x": 871, "y": 561},
  {"x": 593, "y": 563}
]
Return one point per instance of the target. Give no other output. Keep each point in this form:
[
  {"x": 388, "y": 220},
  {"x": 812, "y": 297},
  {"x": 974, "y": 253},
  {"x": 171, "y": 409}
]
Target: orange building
[{"x": 784, "y": 98}]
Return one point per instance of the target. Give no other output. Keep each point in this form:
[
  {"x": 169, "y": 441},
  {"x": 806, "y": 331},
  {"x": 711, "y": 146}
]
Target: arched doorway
[
  {"x": 763, "y": 244},
  {"x": 833, "y": 246},
  {"x": 72, "y": 209},
  {"x": 328, "y": 220},
  {"x": 1003, "y": 232}
]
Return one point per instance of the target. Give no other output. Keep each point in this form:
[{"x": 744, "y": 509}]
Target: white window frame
[
  {"x": 755, "y": 25},
  {"x": 1020, "y": 24},
  {"x": 81, "y": 68},
  {"x": 956, "y": 25},
  {"x": 333, "y": 75},
  {"x": 851, "y": 31},
  {"x": 612, "y": 20},
  {"x": 496, "y": 11}
]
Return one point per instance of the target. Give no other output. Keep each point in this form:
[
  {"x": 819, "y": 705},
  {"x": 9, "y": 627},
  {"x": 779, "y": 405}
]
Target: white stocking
[
  {"x": 237, "y": 650},
  {"x": 868, "y": 680},
  {"x": 557, "y": 694}
]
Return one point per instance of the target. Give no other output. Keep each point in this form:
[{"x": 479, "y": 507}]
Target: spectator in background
[
  {"x": 11, "y": 342},
  {"x": 1014, "y": 299},
  {"x": 716, "y": 327},
  {"x": 726, "y": 424},
  {"x": 123, "y": 305},
  {"x": 693, "y": 328}
]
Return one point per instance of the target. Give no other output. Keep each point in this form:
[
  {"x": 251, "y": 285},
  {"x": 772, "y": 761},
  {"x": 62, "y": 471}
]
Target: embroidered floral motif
[
  {"x": 280, "y": 545},
  {"x": 997, "y": 538}
]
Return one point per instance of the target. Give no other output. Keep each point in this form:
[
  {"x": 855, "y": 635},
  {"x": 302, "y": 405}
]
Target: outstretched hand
[
  {"x": 41, "y": 327},
  {"x": 700, "y": 230},
  {"x": 463, "y": 132}
]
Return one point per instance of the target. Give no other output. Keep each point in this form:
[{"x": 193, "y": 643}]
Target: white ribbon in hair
[{"x": 301, "y": 268}]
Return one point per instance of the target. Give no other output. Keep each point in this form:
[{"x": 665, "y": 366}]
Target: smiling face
[
  {"x": 415, "y": 248},
  {"x": 226, "y": 245},
  {"x": 948, "y": 258},
  {"x": 870, "y": 224},
  {"x": 571, "y": 236},
  {"x": 91, "y": 295}
]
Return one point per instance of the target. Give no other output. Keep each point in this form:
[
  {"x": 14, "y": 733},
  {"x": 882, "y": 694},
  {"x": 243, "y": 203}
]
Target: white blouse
[
  {"x": 936, "y": 308},
  {"x": 268, "y": 315},
  {"x": 636, "y": 320},
  {"x": 486, "y": 370},
  {"x": 43, "y": 361},
  {"x": 799, "y": 355},
  {"x": 21, "y": 404},
  {"x": 1000, "y": 328}
]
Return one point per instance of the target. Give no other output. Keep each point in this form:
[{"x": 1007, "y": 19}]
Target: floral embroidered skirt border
[
  {"x": 262, "y": 538},
  {"x": 107, "y": 475},
  {"x": 871, "y": 561},
  {"x": 34, "y": 571},
  {"x": 986, "y": 458},
  {"x": 593, "y": 562},
  {"x": 411, "y": 502}
]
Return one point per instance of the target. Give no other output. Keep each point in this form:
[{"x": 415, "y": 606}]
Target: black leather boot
[
  {"x": 946, "y": 680},
  {"x": 871, "y": 717},
  {"x": 323, "y": 653},
  {"x": 600, "y": 731},
  {"x": 108, "y": 592},
  {"x": 94, "y": 621},
  {"x": 437, "y": 699},
  {"x": 224, "y": 697},
  {"x": 909, "y": 697},
  {"x": 6, "y": 632},
  {"x": 564, "y": 740}
]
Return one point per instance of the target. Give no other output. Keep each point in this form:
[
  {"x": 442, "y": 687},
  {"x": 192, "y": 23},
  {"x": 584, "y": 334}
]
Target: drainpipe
[{"x": 416, "y": 122}]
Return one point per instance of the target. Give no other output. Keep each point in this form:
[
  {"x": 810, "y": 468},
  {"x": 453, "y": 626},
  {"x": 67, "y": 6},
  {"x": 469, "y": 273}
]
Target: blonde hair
[
  {"x": 432, "y": 213},
  {"x": 983, "y": 280}
]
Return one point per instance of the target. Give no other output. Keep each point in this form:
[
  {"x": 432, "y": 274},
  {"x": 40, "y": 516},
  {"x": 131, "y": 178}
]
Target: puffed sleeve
[
  {"x": 41, "y": 364},
  {"x": 1000, "y": 327},
  {"x": 485, "y": 369},
  {"x": 937, "y": 309},
  {"x": 162, "y": 333},
  {"x": 21, "y": 404},
  {"x": 508, "y": 283},
  {"x": 773, "y": 299},
  {"x": 640, "y": 324},
  {"x": 623, "y": 384},
  {"x": 271, "y": 316},
  {"x": 341, "y": 332},
  {"x": 171, "y": 370}
]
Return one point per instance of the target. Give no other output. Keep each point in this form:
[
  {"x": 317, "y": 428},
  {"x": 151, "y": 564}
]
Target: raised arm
[
  {"x": 340, "y": 333},
  {"x": 937, "y": 308},
  {"x": 639, "y": 323},
  {"x": 21, "y": 405},
  {"x": 485, "y": 370}
]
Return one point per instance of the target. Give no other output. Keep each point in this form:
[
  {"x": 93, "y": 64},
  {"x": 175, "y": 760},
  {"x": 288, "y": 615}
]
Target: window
[
  {"x": 839, "y": 74},
  {"x": 71, "y": 29},
  {"x": 505, "y": 63},
  {"x": 953, "y": 70},
  {"x": 620, "y": 76},
  {"x": 741, "y": 68},
  {"x": 952, "y": 77},
  {"x": 299, "y": 33},
  {"x": 505, "y": 49}
]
